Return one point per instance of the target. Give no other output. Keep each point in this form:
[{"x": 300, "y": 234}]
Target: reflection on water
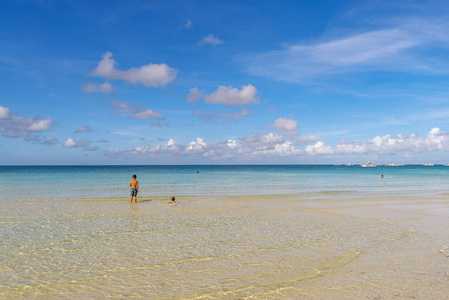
[{"x": 229, "y": 248}]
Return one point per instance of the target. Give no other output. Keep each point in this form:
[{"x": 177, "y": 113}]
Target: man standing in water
[{"x": 134, "y": 184}]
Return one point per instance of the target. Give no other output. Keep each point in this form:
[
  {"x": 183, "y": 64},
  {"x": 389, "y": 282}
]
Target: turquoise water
[{"x": 56, "y": 182}]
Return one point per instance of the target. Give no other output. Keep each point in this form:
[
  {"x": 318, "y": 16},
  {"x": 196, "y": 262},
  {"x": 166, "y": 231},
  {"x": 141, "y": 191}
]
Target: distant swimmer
[
  {"x": 134, "y": 184},
  {"x": 382, "y": 176}
]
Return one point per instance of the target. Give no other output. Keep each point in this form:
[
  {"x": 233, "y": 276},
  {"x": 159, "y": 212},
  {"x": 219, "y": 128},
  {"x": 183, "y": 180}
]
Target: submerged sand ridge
[{"x": 252, "y": 247}]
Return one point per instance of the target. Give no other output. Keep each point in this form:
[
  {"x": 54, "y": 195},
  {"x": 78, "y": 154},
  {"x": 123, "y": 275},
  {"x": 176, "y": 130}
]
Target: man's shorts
[{"x": 134, "y": 192}]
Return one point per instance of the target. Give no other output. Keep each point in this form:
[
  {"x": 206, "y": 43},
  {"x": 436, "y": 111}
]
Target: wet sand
[{"x": 252, "y": 247}]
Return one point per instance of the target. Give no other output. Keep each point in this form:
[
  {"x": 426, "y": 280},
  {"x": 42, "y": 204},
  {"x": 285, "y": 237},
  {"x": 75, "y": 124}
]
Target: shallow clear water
[
  {"x": 112, "y": 181},
  {"x": 241, "y": 232}
]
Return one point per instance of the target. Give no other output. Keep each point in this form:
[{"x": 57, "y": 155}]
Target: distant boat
[
  {"x": 349, "y": 165},
  {"x": 394, "y": 165},
  {"x": 428, "y": 165},
  {"x": 446, "y": 164},
  {"x": 368, "y": 165}
]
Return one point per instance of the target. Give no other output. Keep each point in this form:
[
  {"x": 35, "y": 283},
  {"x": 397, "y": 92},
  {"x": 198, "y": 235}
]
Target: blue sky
[{"x": 223, "y": 82}]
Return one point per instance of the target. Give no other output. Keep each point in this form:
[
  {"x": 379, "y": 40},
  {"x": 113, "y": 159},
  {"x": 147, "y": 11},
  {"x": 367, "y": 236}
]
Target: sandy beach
[{"x": 252, "y": 247}]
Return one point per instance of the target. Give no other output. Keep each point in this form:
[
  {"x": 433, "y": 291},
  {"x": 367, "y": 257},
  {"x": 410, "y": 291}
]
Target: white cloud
[
  {"x": 436, "y": 140},
  {"x": 121, "y": 108},
  {"x": 159, "y": 124},
  {"x": 37, "y": 125},
  {"x": 171, "y": 147},
  {"x": 272, "y": 146},
  {"x": 233, "y": 97},
  {"x": 286, "y": 148},
  {"x": 198, "y": 145},
  {"x": 126, "y": 108},
  {"x": 269, "y": 145},
  {"x": 248, "y": 147},
  {"x": 194, "y": 95},
  {"x": 50, "y": 141},
  {"x": 4, "y": 112},
  {"x": 105, "y": 88},
  {"x": 187, "y": 25},
  {"x": 34, "y": 139},
  {"x": 208, "y": 117},
  {"x": 319, "y": 148},
  {"x": 231, "y": 144},
  {"x": 210, "y": 39},
  {"x": 238, "y": 115},
  {"x": 149, "y": 75},
  {"x": 226, "y": 95},
  {"x": 389, "y": 49},
  {"x": 304, "y": 140},
  {"x": 288, "y": 126},
  {"x": 69, "y": 143},
  {"x": 85, "y": 144},
  {"x": 112, "y": 153},
  {"x": 12, "y": 125},
  {"x": 84, "y": 128},
  {"x": 262, "y": 142},
  {"x": 147, "y": 114},
  {"x": 38, "y": 139}
]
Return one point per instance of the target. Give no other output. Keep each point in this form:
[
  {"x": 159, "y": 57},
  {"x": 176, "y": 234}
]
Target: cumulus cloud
[
  {"x": 251, "y": 146},
  {"x": 85, "y": 144},
  {"x": 69, "y": 143},
  {"x": 211, "y": 40},
  {"x": 262, "y": 142},
  {"x": 198, "y": 145},
  {"x": 436, "y": 140},
  {"x": 149, "y": 75},
  {"x": 309, "y": 139},
  {"x": 171, "y": 147},
  {"x": 194, "y": 95},
  {"x": 231, "y": 144},
  {"x": 14, "y": 126},
  {"x": 273, "y": 145},
  {"x": 226, "y": 95},
  {"x": 40, "y": 124},
  {"x": 126, "y": 108},
  {"x": 4, "y": 112},
  {"x": 105, "y": 88},
  {"x": 288, "y": 126},
  {"x": 233, "y": 97},
  {"x": 84, "y": 128}
]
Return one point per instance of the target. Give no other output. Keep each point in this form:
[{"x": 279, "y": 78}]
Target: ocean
[
  {"x": 53, "y": 182},
  {"x": 239, "y": 232}
]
